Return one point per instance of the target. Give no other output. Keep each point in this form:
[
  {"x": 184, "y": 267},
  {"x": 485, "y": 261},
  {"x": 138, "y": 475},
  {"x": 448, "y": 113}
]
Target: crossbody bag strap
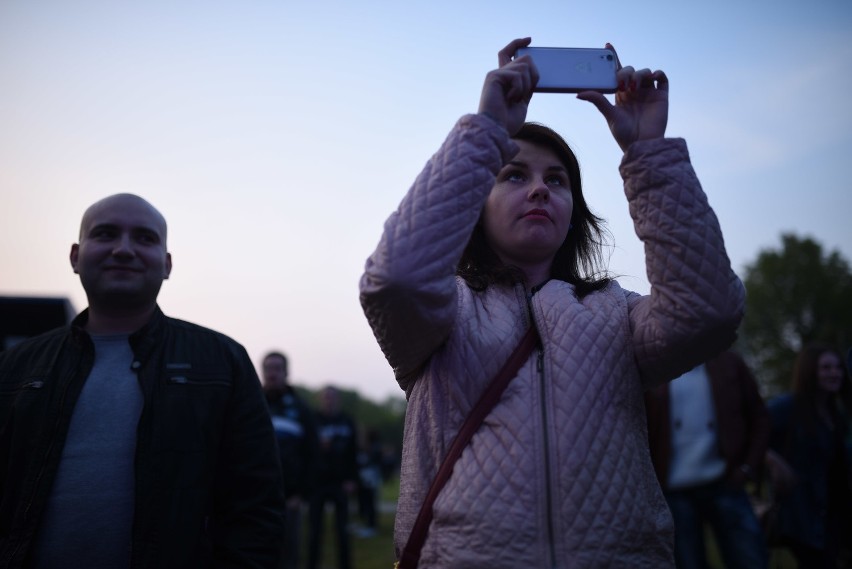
[{"x": 411, "y": 552}]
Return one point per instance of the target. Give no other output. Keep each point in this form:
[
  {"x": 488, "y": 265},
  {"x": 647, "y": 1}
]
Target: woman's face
[
  {"x": 528, "y": 212},
  {"x": 829, "y": 372}
]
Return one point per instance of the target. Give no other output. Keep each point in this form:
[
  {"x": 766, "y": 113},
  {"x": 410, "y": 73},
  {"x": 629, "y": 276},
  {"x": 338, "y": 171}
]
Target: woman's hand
[
  {"x": 641, "y": 107},
  {"x": 508, "y": 89}
]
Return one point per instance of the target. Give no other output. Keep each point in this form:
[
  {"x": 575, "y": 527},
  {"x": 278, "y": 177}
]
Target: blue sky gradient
[{"x": 276, "y": 137}]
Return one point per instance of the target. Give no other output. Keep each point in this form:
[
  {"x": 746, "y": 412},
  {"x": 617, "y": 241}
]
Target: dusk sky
[{"x": 276, "y": 137}]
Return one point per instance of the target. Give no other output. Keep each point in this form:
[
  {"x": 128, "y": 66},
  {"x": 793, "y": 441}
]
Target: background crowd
[
  {"x": 328, "y": 463},
  {"x": 760, "y": 477},
  {"x": 750, "y": 481}
]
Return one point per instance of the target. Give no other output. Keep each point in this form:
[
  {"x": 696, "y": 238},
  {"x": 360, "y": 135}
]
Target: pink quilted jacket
[{"x": 559, "y": 475}]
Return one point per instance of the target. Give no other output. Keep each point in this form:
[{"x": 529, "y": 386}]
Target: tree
[{"x": 794, "y": 296}]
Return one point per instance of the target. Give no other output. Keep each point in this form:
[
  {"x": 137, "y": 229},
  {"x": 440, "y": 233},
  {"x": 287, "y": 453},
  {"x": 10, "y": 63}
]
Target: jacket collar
[
  {"x": 142, "y": 341},
  {"x": 148, "y": 336}
]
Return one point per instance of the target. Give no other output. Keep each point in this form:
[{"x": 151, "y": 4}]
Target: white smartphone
[{"x": 573, "y": 69}]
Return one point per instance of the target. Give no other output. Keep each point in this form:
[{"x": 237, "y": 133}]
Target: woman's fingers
[
  {"x": 508, "y": 89},
  {"x": 623, "y": 77},
  {"x": 506, "y": 54},
  {"x": 661, "y": 79},
  {"x": 630, "y": 79},
  {"x": 517, "y": 80},
  {"x": 599, "y": 101},
  {"x": 617, "y": 61}
]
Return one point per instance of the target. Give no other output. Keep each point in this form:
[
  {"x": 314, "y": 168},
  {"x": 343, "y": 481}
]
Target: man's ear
[
  {"x": 168, "y": 270},
  {"x": 75, "y": 252}
]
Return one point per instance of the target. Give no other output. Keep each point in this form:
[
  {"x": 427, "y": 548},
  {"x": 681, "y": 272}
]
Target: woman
[
  {"x": 809, "y": 429},
  {"x": 494, "y": 237}
]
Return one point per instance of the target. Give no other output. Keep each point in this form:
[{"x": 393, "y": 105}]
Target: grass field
[{"x": 367, "y": 553}]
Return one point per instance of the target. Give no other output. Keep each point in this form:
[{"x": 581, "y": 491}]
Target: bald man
[{"x": 131, "y": 439}]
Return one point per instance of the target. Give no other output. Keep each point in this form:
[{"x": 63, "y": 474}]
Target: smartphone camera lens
[{"x": 609, "y": 58}]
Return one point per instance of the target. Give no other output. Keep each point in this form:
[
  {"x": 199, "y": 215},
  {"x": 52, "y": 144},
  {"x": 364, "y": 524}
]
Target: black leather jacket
[{"x": 208, "y": 478}]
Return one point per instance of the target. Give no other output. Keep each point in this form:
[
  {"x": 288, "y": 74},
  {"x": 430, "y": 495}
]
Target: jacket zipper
[{"x": 548, "y": 483}]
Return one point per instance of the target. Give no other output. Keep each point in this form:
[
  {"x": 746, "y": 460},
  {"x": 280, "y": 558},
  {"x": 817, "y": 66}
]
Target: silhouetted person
[
  {"x": 295, "y": 432},
  {"x": 371, "y": 465},
  {"x": 336, "y": 475},
  {"x": 708, "y": 433},
  {"x": 809, "y": 429}
]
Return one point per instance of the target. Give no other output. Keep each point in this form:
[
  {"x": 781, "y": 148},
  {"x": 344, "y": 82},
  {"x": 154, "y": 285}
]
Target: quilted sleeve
[
  {"x": 408, "y": 289},
  {"x": 696, "y": 301}
]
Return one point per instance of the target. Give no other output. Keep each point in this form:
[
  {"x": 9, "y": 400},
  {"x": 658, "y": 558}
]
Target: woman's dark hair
[
  {"x": 806, "y": 382},
  {"x": 578, "y": 261}
]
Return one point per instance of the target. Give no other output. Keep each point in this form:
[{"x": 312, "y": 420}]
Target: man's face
[
  {"x": 122, "y": 258},
  {"x": 274, "y": 373},
  {"x": 330, "y": 401}
]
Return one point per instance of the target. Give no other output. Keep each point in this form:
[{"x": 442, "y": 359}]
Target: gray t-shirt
[{"x": 89, "y": 515}]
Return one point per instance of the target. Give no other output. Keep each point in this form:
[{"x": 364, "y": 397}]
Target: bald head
[
  {"x": 122, "y": 260},
  {"x": 123, "y": 201}
]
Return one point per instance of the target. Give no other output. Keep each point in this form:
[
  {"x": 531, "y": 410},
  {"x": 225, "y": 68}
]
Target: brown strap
[{"x": 411, "y": 552}]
